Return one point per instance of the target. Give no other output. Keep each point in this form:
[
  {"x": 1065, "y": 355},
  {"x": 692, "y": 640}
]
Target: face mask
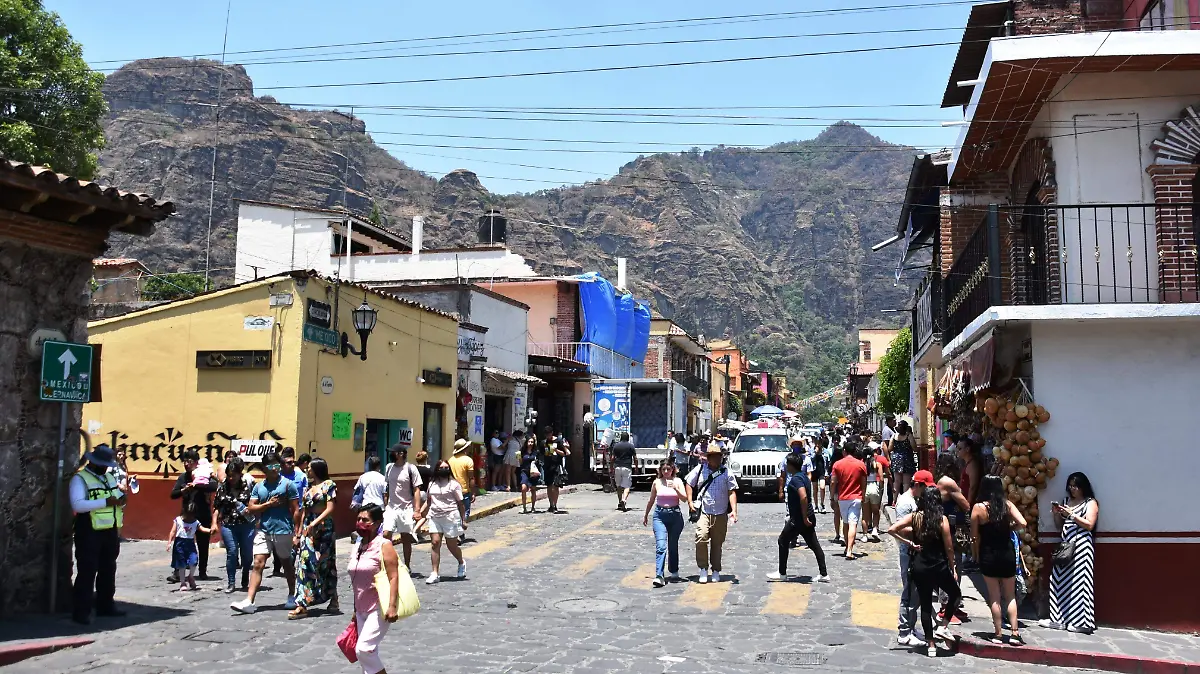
[
  {"x": 442, "y": 473},
  {"x": 364, "y": 529}
]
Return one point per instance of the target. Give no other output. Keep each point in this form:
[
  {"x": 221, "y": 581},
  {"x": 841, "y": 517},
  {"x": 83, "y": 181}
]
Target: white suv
[{"x": 755, "y": 457}]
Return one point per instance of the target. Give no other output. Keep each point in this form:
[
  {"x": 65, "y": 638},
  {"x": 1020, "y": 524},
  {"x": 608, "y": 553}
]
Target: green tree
[
  {"x": 894, "y": 373},
  {"x": 173, "y": 286},
  {"x": 50, "y": 101},
  {"x": 376, "y": 218},
  {"x": 735, "y": 404}
]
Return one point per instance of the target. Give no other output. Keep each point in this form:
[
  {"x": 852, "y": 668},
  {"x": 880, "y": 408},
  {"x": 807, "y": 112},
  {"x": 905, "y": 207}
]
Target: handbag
[
  {"x": 406, "y": 593},
  {"x": 534, "y": 471},
  {"x": 694, "y": 513},
  {"x": 347, "y": 641},
  {"x": 1065, "y": 554}
]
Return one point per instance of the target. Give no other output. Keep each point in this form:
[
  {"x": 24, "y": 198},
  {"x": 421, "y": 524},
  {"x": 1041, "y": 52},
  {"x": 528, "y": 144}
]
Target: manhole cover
[
  {"x": 790, "y": 659},
  {"x": 587, "y": 605}
]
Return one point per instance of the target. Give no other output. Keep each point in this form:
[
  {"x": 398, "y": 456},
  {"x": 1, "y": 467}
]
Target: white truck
[{"x": 644, "y": 408}]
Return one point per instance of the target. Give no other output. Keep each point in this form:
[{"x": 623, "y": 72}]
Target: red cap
[{"x": 924, "y": 477}]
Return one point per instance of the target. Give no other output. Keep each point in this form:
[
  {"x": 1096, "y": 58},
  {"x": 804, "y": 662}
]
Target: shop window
[{"x": 431, "y": 431}]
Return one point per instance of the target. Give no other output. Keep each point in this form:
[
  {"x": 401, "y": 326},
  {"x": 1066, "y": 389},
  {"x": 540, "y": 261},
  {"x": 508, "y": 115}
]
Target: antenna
[{"x": 212, "y": 178}]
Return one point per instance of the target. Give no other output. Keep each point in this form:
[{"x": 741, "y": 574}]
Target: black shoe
[
  {"x": 205, "y": 576},
  {"x": 81, "y": 619},
  {"x": 111, "y": 613},
  {"x": 551, "y": 509},
  {"x": 173, "y": 578}
]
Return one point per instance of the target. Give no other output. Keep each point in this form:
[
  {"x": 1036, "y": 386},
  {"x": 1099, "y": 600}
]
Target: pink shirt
[
  {"x": 666, "y": 496},
  {"x": 363, "y": 568},
  {"x": 444, "y": 498}
]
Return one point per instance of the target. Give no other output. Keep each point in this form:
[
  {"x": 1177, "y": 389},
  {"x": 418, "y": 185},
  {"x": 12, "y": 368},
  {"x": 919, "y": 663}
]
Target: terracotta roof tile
[{"x": 121, "y": 199}]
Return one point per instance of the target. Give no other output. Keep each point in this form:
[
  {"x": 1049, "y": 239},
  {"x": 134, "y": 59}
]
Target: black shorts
[
  {"x": 554, "y": 477},
  {"x": 495, "y": 460}
]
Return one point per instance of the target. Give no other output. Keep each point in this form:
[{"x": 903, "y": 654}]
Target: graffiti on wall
[{"x": 163, "y": 456}]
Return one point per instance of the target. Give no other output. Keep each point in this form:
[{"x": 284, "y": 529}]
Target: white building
[
  {"x": 273, "y": 238},
  {"x": 1063, "y": 230}
]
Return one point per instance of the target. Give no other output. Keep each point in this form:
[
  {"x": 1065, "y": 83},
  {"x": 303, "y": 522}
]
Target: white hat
[{"x": 460, "y": 445}]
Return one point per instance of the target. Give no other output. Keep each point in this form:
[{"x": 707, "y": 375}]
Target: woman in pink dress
[{"x": 372, "y": 553}]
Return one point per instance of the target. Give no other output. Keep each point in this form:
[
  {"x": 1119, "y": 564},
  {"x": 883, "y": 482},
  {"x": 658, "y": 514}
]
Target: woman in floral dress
[{"x": 316, "y": 569}]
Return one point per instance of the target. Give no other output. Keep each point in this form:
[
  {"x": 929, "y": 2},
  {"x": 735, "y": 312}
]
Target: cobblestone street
[{"x": 568, "y": 593}]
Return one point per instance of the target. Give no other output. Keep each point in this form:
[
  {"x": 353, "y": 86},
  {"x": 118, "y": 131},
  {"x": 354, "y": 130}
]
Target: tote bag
[{"x": 409, "y": 602}]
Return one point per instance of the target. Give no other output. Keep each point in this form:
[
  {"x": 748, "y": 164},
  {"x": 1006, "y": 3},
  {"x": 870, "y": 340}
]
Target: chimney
[
  {"x": 418, "y": 234},
  {"x": 621, "y": 276}
]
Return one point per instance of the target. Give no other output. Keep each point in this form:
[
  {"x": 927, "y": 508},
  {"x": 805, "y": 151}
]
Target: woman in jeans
[
  {"x": 927, "y": 533},
  {"x": 665, "y": 494},
  {"x": 237, "y": 526},
  {"x": 373, "y": 552},
  {"x": 993, "y": 521}
]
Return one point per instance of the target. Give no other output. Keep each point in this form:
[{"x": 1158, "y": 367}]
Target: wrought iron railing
[
  {"x": 973, "y": 283},
  {"x": 593, "y": 359},
  {"x": 928, "y": 312},
  {"x": 692, "y": 383}
]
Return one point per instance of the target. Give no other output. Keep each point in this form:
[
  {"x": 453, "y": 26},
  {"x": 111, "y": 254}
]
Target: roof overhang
[
  {"x": 512, "y": 377},
  {"x": 985, "y": 22},
  {"x": 920, "y": 213},
  {"x": 1019, "y": 74}
]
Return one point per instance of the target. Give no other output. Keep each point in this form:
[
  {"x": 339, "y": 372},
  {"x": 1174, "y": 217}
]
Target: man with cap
[
  {"x": 462, "y": 467},
  {"x": 716, "y": 490},
  {"x": 99, "y": 507},
  {"x": 908, "y": 631}
]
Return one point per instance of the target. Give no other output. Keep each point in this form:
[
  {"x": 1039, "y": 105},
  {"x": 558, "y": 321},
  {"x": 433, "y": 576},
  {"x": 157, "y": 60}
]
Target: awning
[
  {"x": 977, "y": 361},
  {"x": 513, "y": 377}
]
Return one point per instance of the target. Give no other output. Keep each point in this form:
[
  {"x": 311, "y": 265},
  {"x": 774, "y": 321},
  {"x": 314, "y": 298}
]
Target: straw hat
[{"x": 460, "y": 445}]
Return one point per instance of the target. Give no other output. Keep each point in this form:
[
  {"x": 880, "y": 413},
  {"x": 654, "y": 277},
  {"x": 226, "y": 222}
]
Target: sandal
[
  {"x": 298, "y": 614},
  {"x": 996, "y": 639},
  {"x": 1016, "y": 640}
]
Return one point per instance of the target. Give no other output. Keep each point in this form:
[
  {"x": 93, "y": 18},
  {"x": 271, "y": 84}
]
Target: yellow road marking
[
  {"x": 787, "y": 599},
  {"x": 705, "y": 597},
  {"x": 640, "y": 578},
  {"x": 503, "y": 538},
  {"x": 545, "y": 550},
  {"x": 873, "y": 609},
  {"x": 584, "y": 566}
]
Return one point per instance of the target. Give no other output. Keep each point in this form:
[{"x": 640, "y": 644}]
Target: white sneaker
[
  {"x": 911, "y": 641},
  {"x": 703, "y": 576},
  {"x": 931, "y": 651},
  {"x": 823, "y": 579},
  {"x": 462, "y": 570},
  {"x": 943, "y": 633},
  {"x": 244, "y": 606},
  {"x": 290, "y": 603},
  {"x": 716, "y": 576},
  {"x": 776, "y": 576},
  {"x": 433, "y": 578}
]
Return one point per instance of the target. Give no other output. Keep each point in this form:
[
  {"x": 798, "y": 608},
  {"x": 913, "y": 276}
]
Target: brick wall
[
  {"x": 1174, "y": 201},
  {"x": 967, "y": 207},
  {"x": 78, "y": 240},
  {"x": 1032, "y": 180},
  {"x": 656, "y": 361},
  {"x": 1037, "y": 17},
  {"x": 566, "y": 317}
]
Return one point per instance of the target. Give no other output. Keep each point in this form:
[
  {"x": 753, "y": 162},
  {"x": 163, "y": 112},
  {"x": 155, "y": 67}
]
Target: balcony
[
  {"x": 587, "y": 358},
  {"x": 929, "y": 317},
  {"x": 1097, "y": 254},
  {"x": 692, "y": 383}
]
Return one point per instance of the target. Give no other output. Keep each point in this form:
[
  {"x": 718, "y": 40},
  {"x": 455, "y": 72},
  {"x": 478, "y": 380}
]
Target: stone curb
[
  {"x": 13, "y": 653},
  {"x": 493, "y": 508},
  {"x": 1054, "y": 657}
]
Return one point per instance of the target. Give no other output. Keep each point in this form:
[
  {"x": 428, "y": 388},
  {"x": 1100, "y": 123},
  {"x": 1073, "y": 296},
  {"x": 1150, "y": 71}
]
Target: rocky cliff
[{"x": 767, "y": 246}]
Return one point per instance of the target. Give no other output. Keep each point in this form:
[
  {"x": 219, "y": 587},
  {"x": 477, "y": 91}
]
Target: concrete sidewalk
[{"x": 1107, "y": 649}]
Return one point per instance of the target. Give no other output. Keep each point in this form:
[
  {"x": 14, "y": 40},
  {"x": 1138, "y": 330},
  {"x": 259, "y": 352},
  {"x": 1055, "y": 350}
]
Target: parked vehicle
[
  {"x": 755, "y": 457},
  {"x": 644, "y": 408}
]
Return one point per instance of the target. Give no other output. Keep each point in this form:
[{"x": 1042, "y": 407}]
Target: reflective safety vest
[{"x": 102, "y": 488}]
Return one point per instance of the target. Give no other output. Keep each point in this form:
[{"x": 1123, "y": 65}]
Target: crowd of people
[{"x": 948, "y": 522}]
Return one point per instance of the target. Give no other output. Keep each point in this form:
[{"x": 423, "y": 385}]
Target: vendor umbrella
[{"x": 766, "y": 410}]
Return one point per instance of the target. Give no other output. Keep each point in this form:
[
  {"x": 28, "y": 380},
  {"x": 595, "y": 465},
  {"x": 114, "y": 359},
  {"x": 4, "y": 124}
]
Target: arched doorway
[{"x": 1033, "y": 231}]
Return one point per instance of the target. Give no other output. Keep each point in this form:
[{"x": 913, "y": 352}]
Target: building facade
[{"x": 261, "y": 361}]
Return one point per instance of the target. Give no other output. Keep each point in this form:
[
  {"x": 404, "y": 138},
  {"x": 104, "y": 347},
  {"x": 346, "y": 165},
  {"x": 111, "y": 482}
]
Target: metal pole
[
  {"x": 993, "y": 250},
  {"x": 58, "y": 480}
]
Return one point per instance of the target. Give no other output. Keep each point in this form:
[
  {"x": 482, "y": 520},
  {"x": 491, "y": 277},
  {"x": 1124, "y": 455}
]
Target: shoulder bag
[
  {"x": 694, "y": 514},
  {"x": 406, "y": 592}
]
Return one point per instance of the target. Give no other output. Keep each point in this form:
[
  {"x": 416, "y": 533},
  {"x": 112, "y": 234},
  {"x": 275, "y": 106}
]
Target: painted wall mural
[{"x": 163, "y": 456}]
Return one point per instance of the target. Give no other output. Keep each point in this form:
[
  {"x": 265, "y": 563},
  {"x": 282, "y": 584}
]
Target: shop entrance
[
  {"x": 497, "y": 415},
  {"x": 382, "y": 434},
  {"x": 432, "y": 431}
]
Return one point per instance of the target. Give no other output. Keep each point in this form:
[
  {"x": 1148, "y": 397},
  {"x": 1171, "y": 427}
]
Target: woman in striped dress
[{"x": 1072, "y": 584}]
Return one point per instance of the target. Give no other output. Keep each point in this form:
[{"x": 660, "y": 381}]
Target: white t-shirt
[
  {"x": 185, "y": 530},
  {"x": 372, "y": 485},
  {"x": 905, "y": 504},
  {"x": 444, "y": 498},
  {"x": 888, "y": 434},
  {"x": 496, "y": 446}
]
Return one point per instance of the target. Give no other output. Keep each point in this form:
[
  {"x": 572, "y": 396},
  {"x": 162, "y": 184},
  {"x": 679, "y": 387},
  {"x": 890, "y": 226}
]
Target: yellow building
[{"x": 262, "y": 360}]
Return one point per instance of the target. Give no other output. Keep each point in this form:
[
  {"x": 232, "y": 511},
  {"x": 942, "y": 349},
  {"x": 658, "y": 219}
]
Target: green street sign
[
  {"x": 66, "y": 372},
  {"x": 323, "y": 336}
]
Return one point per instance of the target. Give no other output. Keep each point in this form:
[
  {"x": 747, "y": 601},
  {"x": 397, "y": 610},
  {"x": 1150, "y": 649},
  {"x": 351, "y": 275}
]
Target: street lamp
[
  {"x": 725, "y": 400},
  {"x": 364, "y": 322}
]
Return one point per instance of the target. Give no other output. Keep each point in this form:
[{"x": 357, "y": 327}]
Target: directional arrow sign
[{"x": 66, "y": 372}]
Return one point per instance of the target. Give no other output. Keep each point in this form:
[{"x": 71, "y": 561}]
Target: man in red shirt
[{"x": 850, "y": 484}]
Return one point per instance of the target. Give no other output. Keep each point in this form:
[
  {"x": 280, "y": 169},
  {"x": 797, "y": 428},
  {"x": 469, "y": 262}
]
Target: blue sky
[{"x": 552, "y": 156}]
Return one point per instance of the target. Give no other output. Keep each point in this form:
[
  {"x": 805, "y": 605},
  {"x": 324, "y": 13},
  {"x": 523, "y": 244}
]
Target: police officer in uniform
[{"x": 99, "y": 505}]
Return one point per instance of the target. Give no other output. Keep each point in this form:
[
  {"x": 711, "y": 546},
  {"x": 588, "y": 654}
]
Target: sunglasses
[{"x": 272, "y": 466}]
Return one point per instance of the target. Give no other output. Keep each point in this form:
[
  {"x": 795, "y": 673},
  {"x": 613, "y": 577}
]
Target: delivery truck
[{"x": 646, "y": 409}]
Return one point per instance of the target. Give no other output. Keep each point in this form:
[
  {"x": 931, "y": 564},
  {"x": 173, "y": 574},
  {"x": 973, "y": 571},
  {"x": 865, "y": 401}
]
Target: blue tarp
[
  {"x": 625, "y": 336},
  {"x": 641, "y": 331},
  {"x": 618, "y": 323}
]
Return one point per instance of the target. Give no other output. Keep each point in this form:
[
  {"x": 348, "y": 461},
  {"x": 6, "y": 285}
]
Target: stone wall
[{"x": 38, "y": 289}]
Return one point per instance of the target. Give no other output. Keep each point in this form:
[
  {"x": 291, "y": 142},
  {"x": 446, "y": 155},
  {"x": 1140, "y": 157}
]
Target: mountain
[{"x": 770, "y": 247}]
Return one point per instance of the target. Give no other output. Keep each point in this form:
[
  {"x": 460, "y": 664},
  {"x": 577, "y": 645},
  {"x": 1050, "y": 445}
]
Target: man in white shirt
[
  {"x": 371, "y": 486},
  {"x": 717, "y": 491},
  {"x": 403, "y": 498}
]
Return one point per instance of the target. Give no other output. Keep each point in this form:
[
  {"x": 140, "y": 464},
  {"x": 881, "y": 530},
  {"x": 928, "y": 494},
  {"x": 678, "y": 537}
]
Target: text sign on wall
[
  {"x": 319, "y": 314},
  {"x": 233, "y": 360},
  {"x": 252, "y": 451},
  {"x": 66, "y": 372},
  {"x": 436, "y": 378},
  {"x": 470, "y": 344}
]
